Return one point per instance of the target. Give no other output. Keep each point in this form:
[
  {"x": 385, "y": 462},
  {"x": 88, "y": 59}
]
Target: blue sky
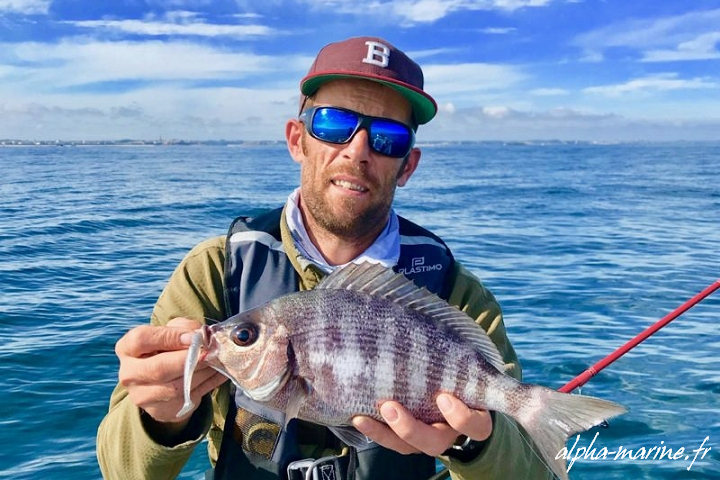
[{"x": 612, "y": 70}]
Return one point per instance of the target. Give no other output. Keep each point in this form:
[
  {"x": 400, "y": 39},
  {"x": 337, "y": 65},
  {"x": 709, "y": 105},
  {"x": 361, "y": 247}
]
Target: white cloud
[
  {"x": 690, "y": 36},
  {"x": 425, "y": 10},
  {"x": 496, "y": 111},
  {"x": 260, "y": 113},
  {"x": 73, "y": 62},
  {"x": 8, "y": 71},
  {"x": 469, "y": 78},
  {"x": 448, "y": 107},
  {"x": 230, "y": 113},
  {"x": 182, "y": 27},
  {"x": 498, "y": 30},
  {"x": 653, "y": 83},
  {"x": 28, "y": 7},
  {"x": 569, "y": 124},
  {"x": 435, "y": 52},
  {"x": 702, "y": 47},
  {"x": 516, "y": 4},
  {"x": 548, "y": 92},
  {"x": 187, "y": 4},
  {"x": 420, "y": 11},
  {"x": 592, "y": 56},
  {"x": 89, "y": 89},
  {"x": 246, "y": 15}
]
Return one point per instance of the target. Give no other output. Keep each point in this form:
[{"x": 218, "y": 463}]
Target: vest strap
[{"x": 254, "y": 446}]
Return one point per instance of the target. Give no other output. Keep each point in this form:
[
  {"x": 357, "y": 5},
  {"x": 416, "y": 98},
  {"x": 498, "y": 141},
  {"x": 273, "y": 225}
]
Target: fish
[{"x": 367, "y": 334}]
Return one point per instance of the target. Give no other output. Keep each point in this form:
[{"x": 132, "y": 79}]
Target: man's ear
[
  {"x": 409, "y": 167},
  {"x": 293, "y": 138}
]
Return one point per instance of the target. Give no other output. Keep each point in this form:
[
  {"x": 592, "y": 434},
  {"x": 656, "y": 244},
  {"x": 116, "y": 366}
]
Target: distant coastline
[
  {"x": 250, "y": 143},
  {"x": 130, "y": 142}
]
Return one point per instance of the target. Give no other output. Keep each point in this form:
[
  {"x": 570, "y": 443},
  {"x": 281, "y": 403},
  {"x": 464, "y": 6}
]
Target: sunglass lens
[
  {"x": 390, "y": 138},
  {"x": 332, "y": 125}
]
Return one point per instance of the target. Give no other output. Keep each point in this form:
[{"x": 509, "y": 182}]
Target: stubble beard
[{"x": 348, "y": 219}]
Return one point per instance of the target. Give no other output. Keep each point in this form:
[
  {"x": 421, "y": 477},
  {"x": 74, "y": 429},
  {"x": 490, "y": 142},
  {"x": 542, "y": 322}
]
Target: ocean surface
[{"x": 584, "y": 246}]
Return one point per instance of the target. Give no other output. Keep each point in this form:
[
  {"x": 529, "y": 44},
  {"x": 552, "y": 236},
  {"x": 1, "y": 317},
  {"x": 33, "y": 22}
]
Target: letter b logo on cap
[{"x": 377, "y": 54}]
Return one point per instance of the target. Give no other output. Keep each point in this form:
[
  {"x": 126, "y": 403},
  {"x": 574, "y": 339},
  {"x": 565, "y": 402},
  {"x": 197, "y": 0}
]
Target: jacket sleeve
[
  {"x": 507, "y": 453},
  {"x": 125, "y": 450}
]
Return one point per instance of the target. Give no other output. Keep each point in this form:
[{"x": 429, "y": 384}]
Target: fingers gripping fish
[{"x": 366, "y": 335}]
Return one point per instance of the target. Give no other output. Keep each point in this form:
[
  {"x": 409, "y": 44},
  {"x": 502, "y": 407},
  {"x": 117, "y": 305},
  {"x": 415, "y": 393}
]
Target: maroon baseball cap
[{"x": 373, "y": 59}]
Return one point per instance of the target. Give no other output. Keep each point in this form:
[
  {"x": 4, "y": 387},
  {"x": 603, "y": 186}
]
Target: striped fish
[{"x": 366, "y": 335}]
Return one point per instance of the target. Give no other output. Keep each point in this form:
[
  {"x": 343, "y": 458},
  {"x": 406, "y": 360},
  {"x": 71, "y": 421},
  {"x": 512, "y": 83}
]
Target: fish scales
[
  {"x": 397, "y": 345},
  {"x": 386, "y": 351},
  {"x": 366, "y": 335}
]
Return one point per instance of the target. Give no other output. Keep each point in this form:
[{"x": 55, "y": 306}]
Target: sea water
[{"x": 584, "y": 246}]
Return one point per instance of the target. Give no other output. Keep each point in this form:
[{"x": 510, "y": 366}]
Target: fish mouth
[
  {"x": 267, "y": 391},
  {"x": 206, "y": 333},
  {"x": 208, "y": 341}
]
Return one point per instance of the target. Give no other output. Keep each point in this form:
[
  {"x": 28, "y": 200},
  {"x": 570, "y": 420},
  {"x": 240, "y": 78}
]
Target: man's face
[{"x": 347, "y": 189}]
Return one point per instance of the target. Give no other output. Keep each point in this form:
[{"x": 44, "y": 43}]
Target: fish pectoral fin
[
  {"x": 351, "y": 437},
  {"x": 298, "y": 390}
]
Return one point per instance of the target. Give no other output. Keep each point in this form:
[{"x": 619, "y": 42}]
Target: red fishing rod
[{"x": 583, "y": 378}]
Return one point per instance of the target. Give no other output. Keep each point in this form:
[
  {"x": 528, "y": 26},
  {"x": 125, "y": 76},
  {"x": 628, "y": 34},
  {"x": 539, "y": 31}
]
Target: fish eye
[{"x": 244, "y": 334}]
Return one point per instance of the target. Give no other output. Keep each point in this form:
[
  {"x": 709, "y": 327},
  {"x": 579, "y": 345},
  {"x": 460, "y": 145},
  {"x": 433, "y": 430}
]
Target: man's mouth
[{"x": 349, "y": 185}]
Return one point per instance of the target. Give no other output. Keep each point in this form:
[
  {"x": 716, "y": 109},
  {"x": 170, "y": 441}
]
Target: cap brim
[{"x": 423, "y": 105}]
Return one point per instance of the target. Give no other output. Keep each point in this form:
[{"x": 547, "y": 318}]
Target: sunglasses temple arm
[{"x": 302, "y": 105}]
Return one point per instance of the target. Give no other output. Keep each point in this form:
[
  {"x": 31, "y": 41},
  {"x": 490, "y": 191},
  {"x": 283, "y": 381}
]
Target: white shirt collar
[{"x": 385, "y": 250}]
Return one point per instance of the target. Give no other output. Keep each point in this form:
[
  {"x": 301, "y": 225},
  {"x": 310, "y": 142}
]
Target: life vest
[{"x": 257, "y": 270}]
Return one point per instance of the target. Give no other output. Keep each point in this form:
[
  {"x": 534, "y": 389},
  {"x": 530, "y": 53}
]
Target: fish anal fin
[{"x": 352, "y": 437}]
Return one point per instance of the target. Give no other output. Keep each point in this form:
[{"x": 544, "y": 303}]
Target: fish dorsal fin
[{"x": 375, "y": 279}]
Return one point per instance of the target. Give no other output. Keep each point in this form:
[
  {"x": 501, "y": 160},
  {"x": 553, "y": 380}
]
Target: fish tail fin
[{"x": 551, "y": 417}]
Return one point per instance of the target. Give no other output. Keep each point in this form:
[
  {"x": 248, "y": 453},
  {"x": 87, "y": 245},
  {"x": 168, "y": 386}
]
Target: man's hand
[
  {"x": 405, "y": 434},
  {"x": 152, "y": 360}
]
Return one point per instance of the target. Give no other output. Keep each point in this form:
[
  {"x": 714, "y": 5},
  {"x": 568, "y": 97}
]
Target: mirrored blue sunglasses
[{"x": 338, "y": 125}]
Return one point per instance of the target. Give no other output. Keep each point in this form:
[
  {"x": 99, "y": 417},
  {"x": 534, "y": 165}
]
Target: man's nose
[{"x": 358, "y": 148}]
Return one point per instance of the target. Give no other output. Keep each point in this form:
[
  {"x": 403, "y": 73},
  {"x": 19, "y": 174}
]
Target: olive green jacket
[{"x": 126, "y": 451}]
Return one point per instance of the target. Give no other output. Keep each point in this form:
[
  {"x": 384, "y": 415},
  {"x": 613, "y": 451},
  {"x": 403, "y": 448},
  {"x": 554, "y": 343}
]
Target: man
[{"x": 360, "y": 105}]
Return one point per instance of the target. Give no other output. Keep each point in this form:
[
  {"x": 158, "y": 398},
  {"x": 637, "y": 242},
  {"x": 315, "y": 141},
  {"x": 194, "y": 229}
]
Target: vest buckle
[{"x": 333, "y": 467}]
